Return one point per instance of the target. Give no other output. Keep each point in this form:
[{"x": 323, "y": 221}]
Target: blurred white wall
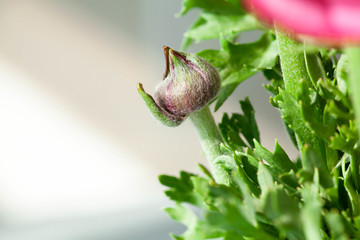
[{"x": 75, "y": 137}]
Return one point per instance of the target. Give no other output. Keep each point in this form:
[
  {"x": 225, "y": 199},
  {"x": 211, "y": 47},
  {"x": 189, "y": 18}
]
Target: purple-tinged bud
[{"x": 189, "y": 84}]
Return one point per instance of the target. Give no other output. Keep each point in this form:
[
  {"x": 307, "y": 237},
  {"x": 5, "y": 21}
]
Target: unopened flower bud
[{"x": 189, "y": 84}]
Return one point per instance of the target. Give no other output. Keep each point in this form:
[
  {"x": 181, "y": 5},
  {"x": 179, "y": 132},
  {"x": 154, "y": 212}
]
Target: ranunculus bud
[{"x": 189, "y": 83}]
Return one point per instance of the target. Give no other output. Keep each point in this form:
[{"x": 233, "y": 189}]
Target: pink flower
[{"x": 335, "y": 22}]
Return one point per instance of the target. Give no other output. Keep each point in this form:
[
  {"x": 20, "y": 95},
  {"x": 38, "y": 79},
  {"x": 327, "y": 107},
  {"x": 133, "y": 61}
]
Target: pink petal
[
  {"x": 345, "y": 17},
  {"x": 333, "y": 21}
]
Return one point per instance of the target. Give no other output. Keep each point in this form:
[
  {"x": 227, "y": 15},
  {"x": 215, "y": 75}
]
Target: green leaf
[
  {"x": 353, "y": 195},
  {"x": 245, "y": 124},
  {"x": 217, "y": 17},
  {"x": 279, "y": 161},
  {"x": 329, "y": 60},
  {"x": 345, "y": 138},
  {"x": 214, "y": 6},
  {"x": 242, "y": 177},
  {"x": 332, "y": 91},
  {"x": 294, "y": 117},
  {"x": 196, "y": 228},
  {"x": 322, "y": 124},
  {"x": 238, "y": 62},
  {"x": 232, "y": 219},
  {"x": 311, "y": 162},
  {"x": 230, "y": 133},
  {"x": 211, "y": 26},
  {"x": 249, "y": 163},
  {"x": 233, "y": 236},
  {"x": 274, "y": 75},
  {"x": 355, "y": 167},
  {"x": 230, "y": 82},
  {"x": 265, "y": 179},
  {"x": 314, "y": 67},
  {"x": 206, "y": 172},
  {"x": 181, "y": 189},
  {"x": 226, "y": 150},
  {"x": 247, "y": 189},
  {"x": 201, "y": 186},
  {"x": 335, "y": 222},
  {"x": 335, "y": 125},
  {"x": 311, "y": 210},
  {"x": 182, "y": 214},
  {"x": 342, "y": 74},
  {"x": 290, "y": 179},
  {"x": 283, "y": 211},
  {"x": 227, "y": 163}
]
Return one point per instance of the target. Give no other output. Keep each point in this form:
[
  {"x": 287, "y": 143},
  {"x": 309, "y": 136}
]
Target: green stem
[
  {"x": 354, "y": 86},
  {"x": 354, "y": 81},
  {"x": 292, "y": 63},
  {"x": 210, "y": 140},
  {"x": 354, "y": 166},
  {"x": 295, "y": 68}
]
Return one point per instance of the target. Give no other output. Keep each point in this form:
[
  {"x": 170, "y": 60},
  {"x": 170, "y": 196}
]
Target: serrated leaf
[
  {"x": 196, "y": 228},
  {"x": 227, "y": 163},
  {"x": 345, "y": 138},
  {"x": 274, "y": 75},
  {"x": 181, "y": 214},
  {"x": 214, "y": 6},
  {"x": 355, "y": 167},
  {"x": 311, "y": 162},
  {"x": 329, "y": 91},
  {"x": 226, "y": 150},
  {"x": 245, "y": 124},
  {"x": 311, "y": 210},
  {"x": 240, "y": 61},
  {"x": 279, "y": 161},
  {"x": 317, "y": 117},
  {"x": 284, "y": 212},
  {"x": 206, "y": 172},
  {"x": 357, "y": 222},
  {"x": 240, "y": 176},
  {"x": 314, "y": 67},
  {"x": 230, "y": 235},
  {"x": 214, "y": 25},
  {"x": 230, "y": 82},
  {"x": 335, "y": 222},
  {"x": 232, "y": 219},
  {"x": 342, "y": 74},
  {"x": 292, "y": 114},
  {"x": 290, "y": 179},
  {"x": 247, "y": 189},
  {"x": 265, "y": 179},
  {"x": 353, "y": 195},
  {"x": 250, "y": 168},
  {"x": 230, "y": 134},
  {"x": 201, "y": 186},
  {"x": 181, "y": 189}
]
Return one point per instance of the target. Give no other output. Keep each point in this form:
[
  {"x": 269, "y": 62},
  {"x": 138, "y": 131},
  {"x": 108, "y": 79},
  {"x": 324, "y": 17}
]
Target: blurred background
[{"x": 79, "y": 151}]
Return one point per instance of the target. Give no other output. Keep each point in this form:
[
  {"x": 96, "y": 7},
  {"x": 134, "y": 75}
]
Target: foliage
[{"x": 271, "y": 196}]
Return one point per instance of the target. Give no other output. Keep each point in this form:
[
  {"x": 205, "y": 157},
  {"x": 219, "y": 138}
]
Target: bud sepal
[{"x": 159, "y": 113}]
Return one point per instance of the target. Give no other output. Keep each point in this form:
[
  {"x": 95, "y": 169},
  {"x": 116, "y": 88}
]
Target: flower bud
[{"x": 189, "y": 84}]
